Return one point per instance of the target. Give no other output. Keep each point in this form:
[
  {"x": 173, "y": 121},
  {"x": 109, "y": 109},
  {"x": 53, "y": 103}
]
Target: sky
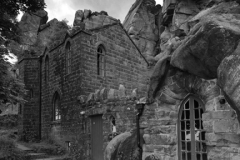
[{"x": 65, "y": 9}]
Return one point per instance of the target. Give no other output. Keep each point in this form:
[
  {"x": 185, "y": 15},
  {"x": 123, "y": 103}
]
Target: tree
[{"x": 11, "y": 88}]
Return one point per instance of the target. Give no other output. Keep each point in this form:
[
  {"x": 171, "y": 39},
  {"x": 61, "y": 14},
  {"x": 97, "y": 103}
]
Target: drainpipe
[
  {"x": 40, "y": 97},
  {"x": 140, "y": 108}
]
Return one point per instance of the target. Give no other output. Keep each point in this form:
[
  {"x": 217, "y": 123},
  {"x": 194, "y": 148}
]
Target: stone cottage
[{"x": 183, "y": 58}]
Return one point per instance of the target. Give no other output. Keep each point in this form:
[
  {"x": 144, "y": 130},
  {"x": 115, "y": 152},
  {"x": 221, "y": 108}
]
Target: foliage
[
  {"x": 8, "y": 150},
  {"x": 10, "y": 87},
  {"x": 8, "y": 121}
]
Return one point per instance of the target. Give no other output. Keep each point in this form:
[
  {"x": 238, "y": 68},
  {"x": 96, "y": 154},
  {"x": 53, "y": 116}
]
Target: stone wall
[
  {"x": 29, "y": 73},
  {"x": 105, "y": 102}
]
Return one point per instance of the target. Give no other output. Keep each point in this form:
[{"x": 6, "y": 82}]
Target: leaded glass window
[{"x": 191, "y": 135}]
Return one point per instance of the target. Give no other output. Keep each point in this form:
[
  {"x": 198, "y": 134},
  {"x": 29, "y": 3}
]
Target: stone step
[
  {"x": 51, "y": 158},
  {"x": 24, "y": 148},
  {"x": 37, "y": 155}
]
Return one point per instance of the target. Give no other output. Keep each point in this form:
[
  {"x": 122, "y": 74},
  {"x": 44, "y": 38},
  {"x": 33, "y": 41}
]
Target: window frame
[
  {"x": 192, "y": 118},
  {"x": 56, "y": 108},
  {"x": 101, "y": 52}
]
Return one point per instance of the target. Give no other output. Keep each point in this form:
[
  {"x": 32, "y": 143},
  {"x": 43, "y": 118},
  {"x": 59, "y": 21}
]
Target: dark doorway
[{"x": 97, "y": 137}]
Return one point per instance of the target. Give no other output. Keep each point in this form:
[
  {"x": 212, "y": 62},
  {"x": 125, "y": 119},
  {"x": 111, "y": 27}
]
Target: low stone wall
[{"x": 105, "y": 102}]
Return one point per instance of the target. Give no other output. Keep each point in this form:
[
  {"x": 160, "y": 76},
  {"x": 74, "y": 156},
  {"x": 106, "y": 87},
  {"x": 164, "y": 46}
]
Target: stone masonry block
[
  {"x": 208, "y": 126},
  {"x": 225, "y": 126},
  {"x": 111, "y": 94},
  {"x": 103, "y": 94},
  {"x": 160, "y": 139},
  {"x": 214, "y": 138},
  {"x": 219, "y": 115},
  {"x": 210, "y": 105},
  {"x": 122, "y": 91}
]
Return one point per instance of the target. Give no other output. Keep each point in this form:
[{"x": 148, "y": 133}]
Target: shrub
[{"x": 8, "y": 151}]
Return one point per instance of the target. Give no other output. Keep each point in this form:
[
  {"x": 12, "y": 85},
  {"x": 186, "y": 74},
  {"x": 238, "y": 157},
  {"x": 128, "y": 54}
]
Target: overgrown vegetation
[
  {"x": 8, "y": 139},
  {"x": 11, "y": 88},
  {"x": 8, "y": 150}
]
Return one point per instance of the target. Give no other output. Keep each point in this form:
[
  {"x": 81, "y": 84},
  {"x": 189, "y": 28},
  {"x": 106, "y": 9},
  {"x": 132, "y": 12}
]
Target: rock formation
[
  {"x": 90, "y": 20},
  {"x": 36, "y": 33},
  {"x": 209, "y": 50},
  {"x": 29, "y": 26},
  {"x": 142, "y": 24}
]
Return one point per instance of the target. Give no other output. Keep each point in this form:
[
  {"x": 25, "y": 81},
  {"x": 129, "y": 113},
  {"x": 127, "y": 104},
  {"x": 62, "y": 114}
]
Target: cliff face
[{"x": 142, "y": 24}]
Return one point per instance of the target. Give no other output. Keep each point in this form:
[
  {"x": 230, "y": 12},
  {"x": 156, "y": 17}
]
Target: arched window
[
  {"x": 191, "y": 136},
  {"x": 68, "y": 57},
  {"x": 56, "y": 107},
  {"x": 46, "y": 69},
  {"x": 100, "y": 60},
  {"x": 20, "y": 109}
]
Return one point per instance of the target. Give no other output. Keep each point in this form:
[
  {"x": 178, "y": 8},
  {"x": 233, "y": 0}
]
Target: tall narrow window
[
  {"x": 56, "y": 107},
  {"x": 47, "y": 69},
  {"x": 100, "y": 61},
  {"x": 191, "y": 136},
  {"x": 68, "y": 58},
  {"x": 19, "y": 109}
]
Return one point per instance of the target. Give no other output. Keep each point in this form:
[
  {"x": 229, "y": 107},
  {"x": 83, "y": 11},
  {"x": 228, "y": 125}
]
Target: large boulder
[
  {"x": 229, "y": 79},
  {"x": 51, "y": 34},
  {"x": 124, "y": 146},
  {"x": 215, "y": 34},
  {"x": 29, "y": 25},
  {"x": 140, "y": 24}
]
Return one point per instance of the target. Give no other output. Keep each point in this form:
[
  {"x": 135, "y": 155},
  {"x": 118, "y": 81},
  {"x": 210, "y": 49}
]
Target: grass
[{"x": 8, "y": 150}]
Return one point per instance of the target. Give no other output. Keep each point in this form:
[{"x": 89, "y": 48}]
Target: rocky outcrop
[
  {"x": 214, "y": 35},
  {"x": 29, "y": 26},
  {"x": 91, "y": 20},
  {"x": 124, "y": 146},
  {"x": 229, "y": 79},
  {"x": 141, "y": 25},
  {"x": 184, "y": 11},
  {"x": 209, "y": 51},
  {"x": 36, "y": 34},
  {"x": 50, "y": 34}
]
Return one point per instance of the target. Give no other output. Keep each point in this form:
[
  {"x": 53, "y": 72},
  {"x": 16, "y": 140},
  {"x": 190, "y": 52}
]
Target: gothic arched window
[
  {"x": 68, "y": 58},
  {"x": 191, "y": 136},
  {"x": 56, "y": 107},
  {"x": 100, "y": 60}
]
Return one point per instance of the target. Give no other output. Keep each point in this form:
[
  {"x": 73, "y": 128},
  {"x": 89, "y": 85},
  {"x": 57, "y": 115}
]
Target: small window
[
  {"x": 56, "y": 108},
  {"x": 47, "y": 69},
  {"x": 20, "y": 109},
  {"x": 68, "y": 58},
  {"x": 100, "y": 61},
  {"x": 191, "y": 136}
]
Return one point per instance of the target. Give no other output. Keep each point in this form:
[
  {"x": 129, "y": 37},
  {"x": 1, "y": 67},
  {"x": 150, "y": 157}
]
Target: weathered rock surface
[
  {"x": 229, "y": 79},
  {"x": 52, "y": 34},
  {"x": 124, "y": 146},
  {"x": 92, "y": 20},
  {"x": 29, "y": 26},
  {"x": 184, "y": 11},
  {"x": 141, "y": 25},
  {"x": 111, "y": 149},
  {"x": 214, "y": 36}
]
